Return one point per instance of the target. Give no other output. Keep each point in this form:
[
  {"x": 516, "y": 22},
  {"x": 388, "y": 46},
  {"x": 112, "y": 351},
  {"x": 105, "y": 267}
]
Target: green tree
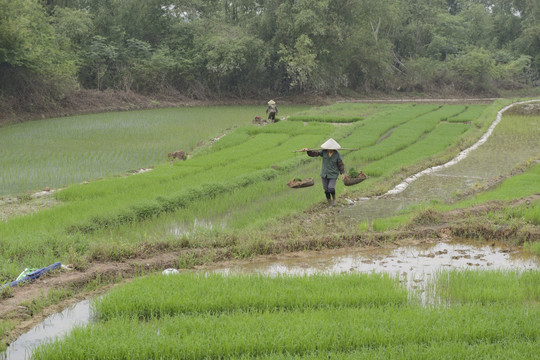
[
  {"x": 34, "y": 59},
  {"x": 100, "y": 58},
  {"x": 300, "y": 63},
  {"x": 231, "y": 59},
  {"x": 475, "y": 70}
]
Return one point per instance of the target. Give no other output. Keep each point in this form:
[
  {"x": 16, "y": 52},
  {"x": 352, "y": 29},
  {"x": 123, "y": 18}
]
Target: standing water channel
[{"x": 413, "y": 265}]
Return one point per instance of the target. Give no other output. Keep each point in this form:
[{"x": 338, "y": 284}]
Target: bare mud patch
[{"x": 19, "y": 206}]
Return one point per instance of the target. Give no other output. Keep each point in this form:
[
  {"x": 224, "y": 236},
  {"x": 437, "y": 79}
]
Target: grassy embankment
[
  {"x": 346, "y": 316},
  {"x": 237, "y": 184}
]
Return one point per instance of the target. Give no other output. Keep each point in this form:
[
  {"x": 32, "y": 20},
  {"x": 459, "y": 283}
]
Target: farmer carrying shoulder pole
[
  {"x": 332, "y": 166},
  {"x": 272, "y": 110}
]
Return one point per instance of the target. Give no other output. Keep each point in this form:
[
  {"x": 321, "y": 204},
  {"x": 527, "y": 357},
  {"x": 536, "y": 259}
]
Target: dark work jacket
[{"x": 331, "y": 166}]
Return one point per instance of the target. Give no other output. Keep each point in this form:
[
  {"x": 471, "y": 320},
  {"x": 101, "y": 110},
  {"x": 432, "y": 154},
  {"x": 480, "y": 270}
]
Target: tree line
[{"x": 246, "y": 48}]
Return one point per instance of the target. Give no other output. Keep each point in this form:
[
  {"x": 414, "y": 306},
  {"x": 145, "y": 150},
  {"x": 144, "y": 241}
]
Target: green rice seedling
[
  {"x": 404, "y": 135},
  {"x": 449, "y": 111},
  {"x": 516, "y": 187},
  {"x": 529, "y": 211},
  {"x": 444, "y": 351},
  {"x": 62, "y": 151},
  {"x": 373, "y": 128},
  {"x": 441, "y": 138},
  {"x": 383, "y": 224},
  {"x": 532, "y": 247},
  {"x": 5, "y": 327},
  {"x": 328, "y": 119},
  {"x": 484, "y": 120},
  {"x": 341, "y": 110},
  {"x": 487, "y": 287},
  {"x": 297, "y": 332},
  {"x": 241, "y": 183},
  {"x": 161, "y": 296},
  {"x": 470, "y": 113}
]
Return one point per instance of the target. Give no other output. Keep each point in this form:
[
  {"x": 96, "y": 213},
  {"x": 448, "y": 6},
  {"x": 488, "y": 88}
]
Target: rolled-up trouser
[{"x": 329, "y": 186}]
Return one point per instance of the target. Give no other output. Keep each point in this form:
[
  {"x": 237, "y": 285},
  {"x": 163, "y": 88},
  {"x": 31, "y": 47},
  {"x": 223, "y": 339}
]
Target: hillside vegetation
[{"x": 249, "y": 49}]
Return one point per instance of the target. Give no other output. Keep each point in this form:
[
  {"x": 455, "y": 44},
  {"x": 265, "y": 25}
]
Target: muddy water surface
[
  {"x": 414, "y": 265},
  {"x": 55, "y": 326}
]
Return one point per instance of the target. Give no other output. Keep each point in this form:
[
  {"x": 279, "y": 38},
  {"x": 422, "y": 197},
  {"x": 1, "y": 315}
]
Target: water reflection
[
  {"x": 413, "y": 265},
  {"x": 55, "y": 326}
]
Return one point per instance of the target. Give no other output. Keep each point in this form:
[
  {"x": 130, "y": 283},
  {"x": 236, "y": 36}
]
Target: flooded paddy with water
[{"x": 413, "y": 265}]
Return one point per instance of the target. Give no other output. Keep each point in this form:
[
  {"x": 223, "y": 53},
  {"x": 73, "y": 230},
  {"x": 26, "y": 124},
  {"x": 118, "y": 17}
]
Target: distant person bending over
[
  {"x": 272, "y": 110},
  {"x": 332, "y": 166}
]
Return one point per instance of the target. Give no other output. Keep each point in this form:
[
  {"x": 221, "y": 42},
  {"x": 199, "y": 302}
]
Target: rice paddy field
[
  {"x": 229, "y": 200},
  {"x": 63, "y": 151},
  {"x": 512, "y": 147},
  {"x": 347, "y": 316},
  {"x": 236, "y": 184}
]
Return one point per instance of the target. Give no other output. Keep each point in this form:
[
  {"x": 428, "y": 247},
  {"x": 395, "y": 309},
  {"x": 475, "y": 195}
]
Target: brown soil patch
[{"x": 14, "y": 206}]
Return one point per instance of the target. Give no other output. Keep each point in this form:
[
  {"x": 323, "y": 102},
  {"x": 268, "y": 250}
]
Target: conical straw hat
[
  {"x": 271, "y": 102},
  {"x": 330, "y": 144}
]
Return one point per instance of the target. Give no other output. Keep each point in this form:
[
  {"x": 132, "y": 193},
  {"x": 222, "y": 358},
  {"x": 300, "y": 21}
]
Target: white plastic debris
[{"x": 170, "y": 271}]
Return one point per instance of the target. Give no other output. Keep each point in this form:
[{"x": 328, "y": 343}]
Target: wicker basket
[
  {"x": 348, "y": 181},
  {"x": 300, "y": 184}
]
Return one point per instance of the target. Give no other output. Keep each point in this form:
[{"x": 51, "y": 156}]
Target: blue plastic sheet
[{"x": 32, "y": 276}]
